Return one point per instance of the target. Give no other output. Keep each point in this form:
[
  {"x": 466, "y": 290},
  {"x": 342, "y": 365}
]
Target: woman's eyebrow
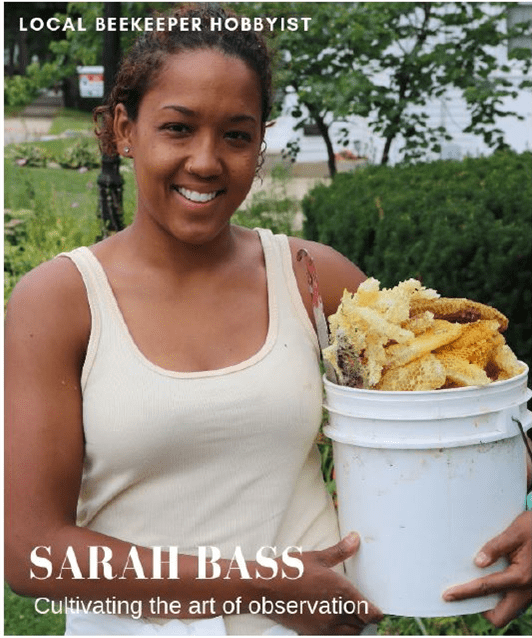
[
  {"x": 240, "y": 117},
  {"x": 180, "y": 109}
]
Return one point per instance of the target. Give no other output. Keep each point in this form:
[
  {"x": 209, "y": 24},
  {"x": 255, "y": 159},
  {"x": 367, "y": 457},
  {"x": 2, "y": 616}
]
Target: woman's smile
[{"x": 194, "y": 196}]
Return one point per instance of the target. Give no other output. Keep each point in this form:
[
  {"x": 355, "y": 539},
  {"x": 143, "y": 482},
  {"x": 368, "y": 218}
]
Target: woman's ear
[{"x": 123, "y": 129}]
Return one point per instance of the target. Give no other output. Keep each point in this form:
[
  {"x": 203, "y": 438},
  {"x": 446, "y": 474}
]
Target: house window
[
  {"x": 517, "y": 13},
  {"x": 311, "y": 130}
]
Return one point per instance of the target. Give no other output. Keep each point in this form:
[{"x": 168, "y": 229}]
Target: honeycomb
[
  {"x": 410, "y": 338},
  {"x": 458, "y": 310},
  {"x": 425, "y": 373}
]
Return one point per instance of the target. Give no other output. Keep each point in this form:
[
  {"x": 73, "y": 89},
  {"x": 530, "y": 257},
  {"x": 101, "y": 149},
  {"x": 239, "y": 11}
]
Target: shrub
[
  {"x": 20, "y": 90},
  {"x": 463, "y": 228},
  {"x": 29, "y": 155},
  {"x": 82, "y": 154}
]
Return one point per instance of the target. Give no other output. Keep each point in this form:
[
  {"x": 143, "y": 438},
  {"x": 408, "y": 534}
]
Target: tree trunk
[
  {"x": 404, "y": 80},
  {"x": 110, "y": 181},
  {"x": 324, "y": 132},
  {"x": 386, "y": 152},
  {"x": 23, "y": 53}
]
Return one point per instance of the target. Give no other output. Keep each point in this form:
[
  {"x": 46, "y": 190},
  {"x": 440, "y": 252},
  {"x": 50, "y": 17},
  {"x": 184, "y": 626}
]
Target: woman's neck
[{"x": 161, "y": 249}]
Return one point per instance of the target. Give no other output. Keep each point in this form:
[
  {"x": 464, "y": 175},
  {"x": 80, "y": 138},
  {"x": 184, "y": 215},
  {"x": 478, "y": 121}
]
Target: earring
[{"x": 126, "y": 150}]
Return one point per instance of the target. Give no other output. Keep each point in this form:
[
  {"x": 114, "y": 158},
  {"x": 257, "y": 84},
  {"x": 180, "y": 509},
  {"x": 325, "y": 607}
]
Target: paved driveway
[{"x": 34, "y": 121}]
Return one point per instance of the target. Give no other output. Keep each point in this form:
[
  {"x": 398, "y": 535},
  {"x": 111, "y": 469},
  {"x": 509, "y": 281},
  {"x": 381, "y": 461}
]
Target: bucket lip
[{"x": 432, "y": 393}]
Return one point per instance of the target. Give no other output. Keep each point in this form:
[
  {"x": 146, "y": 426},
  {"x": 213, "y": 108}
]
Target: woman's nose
[{"x": 204, "y": 159}]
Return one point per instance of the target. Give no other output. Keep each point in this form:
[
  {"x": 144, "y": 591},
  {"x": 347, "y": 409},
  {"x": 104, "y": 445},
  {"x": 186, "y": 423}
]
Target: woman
[{"x": 175, "y": 389}]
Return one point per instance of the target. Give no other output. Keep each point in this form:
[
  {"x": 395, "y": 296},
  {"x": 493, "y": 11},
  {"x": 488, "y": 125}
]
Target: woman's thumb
[{"x": 341, "y": 551}]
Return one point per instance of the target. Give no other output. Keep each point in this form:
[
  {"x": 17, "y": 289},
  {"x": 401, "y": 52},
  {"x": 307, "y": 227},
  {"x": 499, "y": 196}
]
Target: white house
[{"x": 449, "y": 110}]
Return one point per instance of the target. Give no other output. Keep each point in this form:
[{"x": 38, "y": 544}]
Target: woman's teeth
[{"x": 193, "y": 196}]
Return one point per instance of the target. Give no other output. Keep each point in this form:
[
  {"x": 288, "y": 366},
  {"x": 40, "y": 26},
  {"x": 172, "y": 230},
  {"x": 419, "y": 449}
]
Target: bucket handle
[{"x": 525, "y": 437}]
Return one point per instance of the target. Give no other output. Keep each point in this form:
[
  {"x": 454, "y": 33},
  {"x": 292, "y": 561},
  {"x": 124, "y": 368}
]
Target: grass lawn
[
  {"x": 57, "y": 208},
  {"x": 21, "y": 619},
  {"x": 72, "y": 120},
  {"x": 64, "y": 190}
]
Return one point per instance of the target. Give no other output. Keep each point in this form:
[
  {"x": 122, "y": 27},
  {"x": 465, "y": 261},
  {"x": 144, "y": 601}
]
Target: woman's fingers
[
  {"x": 347, "y": 547},
  {"x": 515, "y": 543},
  {"x": 341, "y": 551},
  {"x": 512, "y": 605},
  {"x": 502, "y": 545},
  {"x": 486, "y": 585}
]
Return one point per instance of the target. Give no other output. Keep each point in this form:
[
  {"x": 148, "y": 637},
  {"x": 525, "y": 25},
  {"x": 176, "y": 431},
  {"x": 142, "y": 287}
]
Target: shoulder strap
[
  {"x": 91, "y": 272},
  {"x": 279, "y": 245},
  {"x": 94, "y": 280}
]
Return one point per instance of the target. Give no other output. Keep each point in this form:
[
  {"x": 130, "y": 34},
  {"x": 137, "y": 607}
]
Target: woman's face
[{"x": 195, "y": 143}]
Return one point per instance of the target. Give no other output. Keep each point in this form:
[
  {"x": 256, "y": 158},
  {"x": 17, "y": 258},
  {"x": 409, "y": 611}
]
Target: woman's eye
[
  {"x": 238, "y": 136},
  {"x": 176, "y": 128}
]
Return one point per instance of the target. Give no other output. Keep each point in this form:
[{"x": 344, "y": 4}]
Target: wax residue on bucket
[{"x": 410, "y": 338}]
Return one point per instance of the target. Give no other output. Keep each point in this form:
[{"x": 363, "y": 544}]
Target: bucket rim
[{"x": 522, "y": 376}]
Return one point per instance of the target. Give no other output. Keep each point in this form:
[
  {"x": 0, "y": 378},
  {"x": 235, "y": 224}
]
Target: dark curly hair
[{"x": 144, "y": 61}]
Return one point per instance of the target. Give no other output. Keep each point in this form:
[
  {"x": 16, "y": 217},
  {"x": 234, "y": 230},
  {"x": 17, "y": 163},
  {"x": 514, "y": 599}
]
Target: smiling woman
[
  {"x": 166, "y": 357},
  {"x": 163, "y": 388}
]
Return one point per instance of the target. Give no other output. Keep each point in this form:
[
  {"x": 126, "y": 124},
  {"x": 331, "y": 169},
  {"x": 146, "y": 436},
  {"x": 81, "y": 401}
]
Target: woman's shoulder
[
  {"x": 50, "y": 298},
  {"x": 53, "y": 280}
]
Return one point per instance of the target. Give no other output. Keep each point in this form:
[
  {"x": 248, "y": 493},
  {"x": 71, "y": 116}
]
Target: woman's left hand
[{"x": 515, "y": 582}]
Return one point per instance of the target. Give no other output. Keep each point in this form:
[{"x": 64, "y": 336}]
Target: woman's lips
[{"x": 195, "y": 196}]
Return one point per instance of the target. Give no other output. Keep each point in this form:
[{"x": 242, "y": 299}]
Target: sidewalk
[{"x": 35, "y": 120}]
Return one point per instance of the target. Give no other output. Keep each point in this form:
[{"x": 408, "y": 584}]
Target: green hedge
[{"x": 464, "y": 228}]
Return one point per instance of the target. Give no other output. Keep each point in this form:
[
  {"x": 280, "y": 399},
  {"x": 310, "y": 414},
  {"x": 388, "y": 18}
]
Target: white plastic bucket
[{"x": 426, "y": 478}]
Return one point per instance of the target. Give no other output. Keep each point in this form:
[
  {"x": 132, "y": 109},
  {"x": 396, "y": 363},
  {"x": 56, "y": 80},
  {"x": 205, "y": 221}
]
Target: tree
[
  {"x": 21, "y": 41},
  {"x": 310, "y": 64},
  {"x": 385, "y": 61},
  {"x": 59, "y": 52},
  {"x": 24, "y": 77}
]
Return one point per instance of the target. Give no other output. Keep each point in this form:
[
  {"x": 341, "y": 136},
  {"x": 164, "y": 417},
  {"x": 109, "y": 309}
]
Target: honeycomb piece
[
  {"x": 440, "y": 333},
  {"x": 357, "y": 322},
  {"x": 368, "y": 292},
  {"x": 458, "y": 310},
  {"x": 476, "y": 344},
  {"x": 362, "y": 331},
  {"x": 347, "y": 363},
  {"x": 419, "y": 323},
  {"x": 426, "y": 373},
  {"x": 459, "y": 372},
  {"x": 506, "y": 362},
  {"x": 408, "y": 338}
]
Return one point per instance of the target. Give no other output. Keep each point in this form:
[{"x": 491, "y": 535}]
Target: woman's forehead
[{"x": 195, "y": 77}]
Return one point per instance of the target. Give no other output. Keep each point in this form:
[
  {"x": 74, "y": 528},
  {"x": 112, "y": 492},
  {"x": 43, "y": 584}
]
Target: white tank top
[{"x": 224, "y": 457}]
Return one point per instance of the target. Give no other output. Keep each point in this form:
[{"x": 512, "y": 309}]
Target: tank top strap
[
  {"x": 281, "y": 275},
  {"x": 98, "y": 293},
  {"x": 91, "y": 272}
]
